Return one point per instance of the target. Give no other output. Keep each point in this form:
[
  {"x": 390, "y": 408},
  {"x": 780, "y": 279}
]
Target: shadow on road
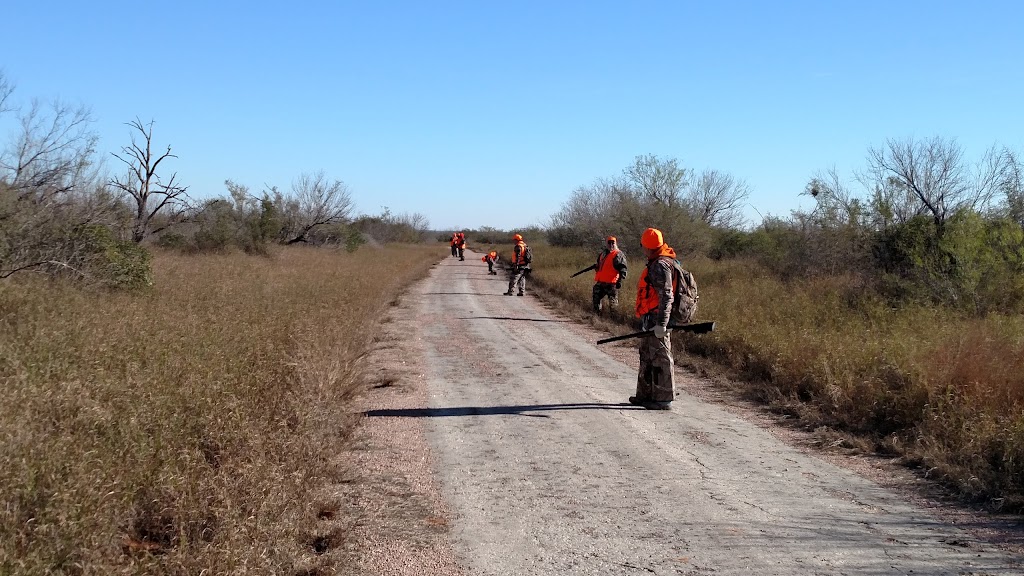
[
  {"x": 458, "y": 294},
  {"x": 494, "y": 410},
  {"x": 509, "y": 318}
]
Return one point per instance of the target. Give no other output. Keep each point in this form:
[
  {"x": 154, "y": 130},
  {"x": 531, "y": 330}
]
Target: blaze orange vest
[
  {"x": 646, "y": 297},
  {"x": 519, "y": 259},
  {"x": 606, "y": 271},
  {"x": 492, "y": 255}
]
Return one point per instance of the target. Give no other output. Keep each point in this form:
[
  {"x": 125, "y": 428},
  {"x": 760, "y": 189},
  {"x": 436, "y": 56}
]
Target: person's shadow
[{"x": 522, "y": 410}]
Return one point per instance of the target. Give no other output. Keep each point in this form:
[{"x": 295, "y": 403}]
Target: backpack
[
  {"x": 684, "y": 298},
  {"x": 528, "y": 255}
]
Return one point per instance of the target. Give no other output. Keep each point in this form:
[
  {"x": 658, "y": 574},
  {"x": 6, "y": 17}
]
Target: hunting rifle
[
  {"x": 587, "y": 269},
  {"x": 696, "y": 328}
]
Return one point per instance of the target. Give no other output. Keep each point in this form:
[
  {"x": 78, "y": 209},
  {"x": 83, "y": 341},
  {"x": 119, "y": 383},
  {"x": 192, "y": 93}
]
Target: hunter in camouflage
[{"x": 655, "y": 386}]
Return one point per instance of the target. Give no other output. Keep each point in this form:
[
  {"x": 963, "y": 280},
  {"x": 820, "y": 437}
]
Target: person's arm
[
  {"x": 620, "y": 265},
  {"x": 659, "y": 276}
]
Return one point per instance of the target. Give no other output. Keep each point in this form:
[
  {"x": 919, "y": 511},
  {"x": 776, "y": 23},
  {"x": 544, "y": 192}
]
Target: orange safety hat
[
  {"x": 652, "y": 239},
  {"x": 611, "y": 239},
  {"x": 517, "y": 237}
]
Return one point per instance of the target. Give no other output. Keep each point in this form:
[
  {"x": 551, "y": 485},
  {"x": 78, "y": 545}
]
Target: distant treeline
[
  {"x": 62, "y": 214},
  {"x": 920, "y": 223}
]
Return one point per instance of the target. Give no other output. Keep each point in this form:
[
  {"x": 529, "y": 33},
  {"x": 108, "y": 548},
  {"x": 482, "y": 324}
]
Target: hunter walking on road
[
  {"x": 609, "y": 275},
  {"x": 655, "y": 295},
  {"x": 521, "y": 260},
  {"x": 460, "y": 245}
]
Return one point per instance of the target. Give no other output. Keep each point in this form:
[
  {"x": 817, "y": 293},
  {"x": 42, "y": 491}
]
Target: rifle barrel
[
  {"x": 696, "y": 328},
  {"x": 587, "y": 269}
]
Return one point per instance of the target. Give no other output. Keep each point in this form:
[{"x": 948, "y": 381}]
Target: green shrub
[
  {"x": 116, "y": 263},
  {"x": 353, "y": 240},
  {"x": 172, "y": 241}
]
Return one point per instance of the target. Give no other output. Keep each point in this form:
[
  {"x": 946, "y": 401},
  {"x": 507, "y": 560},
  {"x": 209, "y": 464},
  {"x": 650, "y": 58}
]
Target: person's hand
[
  {"x": 660, "y": 331},
  {"x": 618, "y": 284}
]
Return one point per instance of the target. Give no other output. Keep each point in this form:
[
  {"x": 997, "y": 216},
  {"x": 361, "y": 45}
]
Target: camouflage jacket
[{"x": 659, "y": 277}]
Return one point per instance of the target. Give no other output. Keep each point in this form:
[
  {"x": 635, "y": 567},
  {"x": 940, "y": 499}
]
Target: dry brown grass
[
  {"x": 186, "y": 429},
  {"x": 943, "y": 390}
]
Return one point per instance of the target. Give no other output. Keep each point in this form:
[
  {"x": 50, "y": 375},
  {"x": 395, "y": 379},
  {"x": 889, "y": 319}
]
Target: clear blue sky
[{"x": 491, "y": 113}]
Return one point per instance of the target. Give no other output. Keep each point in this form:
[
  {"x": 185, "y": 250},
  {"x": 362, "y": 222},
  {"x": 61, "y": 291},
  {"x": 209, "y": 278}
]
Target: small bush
[
  {"x": 117, "y": 263},
  {"x": 353, "y": 240}
]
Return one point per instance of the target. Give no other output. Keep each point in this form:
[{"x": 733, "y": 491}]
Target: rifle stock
[
  {"x": 587, "y": 269},
  {"x": 696, "y": 328}
]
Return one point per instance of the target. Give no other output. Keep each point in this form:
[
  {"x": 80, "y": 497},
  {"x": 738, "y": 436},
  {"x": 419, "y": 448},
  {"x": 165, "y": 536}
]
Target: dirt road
[{"x": 547, "y": 470}]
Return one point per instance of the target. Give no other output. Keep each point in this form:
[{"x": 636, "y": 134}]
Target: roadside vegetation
[
  {"x": 175, "y": 373},
  {"x": 890, "y": 315},
  {"x": 189, "y": 427}
]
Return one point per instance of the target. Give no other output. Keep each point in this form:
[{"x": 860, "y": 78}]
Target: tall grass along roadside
[
  {"x": 943, "y": 389},
  {"x": 183, "y": 429}
]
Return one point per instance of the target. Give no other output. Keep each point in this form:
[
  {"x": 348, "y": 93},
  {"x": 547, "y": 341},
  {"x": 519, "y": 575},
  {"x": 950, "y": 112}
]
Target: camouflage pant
[
  {"x": 518, "y": 280},
  {"x": 455, "y": 251},
  {"x": 602, "y": 289},
  {"x": 490, "y": 265},
  {"x": 655, "y": 380},
  {"x": 461, "y": 256}
]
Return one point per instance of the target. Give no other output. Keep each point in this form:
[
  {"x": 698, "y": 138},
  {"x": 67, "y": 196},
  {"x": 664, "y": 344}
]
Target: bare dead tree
[
  {"x": 150, "y": 195},
  {"x": 935, "y": 173},
  {"x": 717, "y": 198},
  {"x": 659, "y": 180},
  {"x": 317, "y": 202}
]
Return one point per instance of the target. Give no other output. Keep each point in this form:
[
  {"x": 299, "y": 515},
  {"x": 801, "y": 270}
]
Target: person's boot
[
  {"x": 507, "y": 293},
  {"x": 636, "y": 401},
  {"x": 655, "y": 405}
]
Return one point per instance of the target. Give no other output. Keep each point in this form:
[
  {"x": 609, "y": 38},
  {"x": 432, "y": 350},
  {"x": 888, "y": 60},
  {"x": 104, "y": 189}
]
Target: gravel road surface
[{"x": 547, "y": 470}]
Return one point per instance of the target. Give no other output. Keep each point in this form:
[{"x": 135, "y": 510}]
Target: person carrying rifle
[
  {"x": 655, "y": 385},
  {"x": 522, "y": 257},
  {"x": 610, "y": 272},
  {"x": 491, "y": 257}
]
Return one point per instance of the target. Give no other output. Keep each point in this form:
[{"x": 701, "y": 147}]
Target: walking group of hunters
[{"x": 666, "y": 298}]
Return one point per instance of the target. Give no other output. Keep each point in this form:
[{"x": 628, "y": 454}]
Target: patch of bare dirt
[{"x": 397, "y": 523}]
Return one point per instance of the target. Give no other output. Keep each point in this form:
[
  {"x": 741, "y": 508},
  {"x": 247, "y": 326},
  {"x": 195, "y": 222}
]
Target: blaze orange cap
[
  {"x": 651, "y": 239},
  {"x": 517, "y": 237},
  {"x": 611, "y": 239}
]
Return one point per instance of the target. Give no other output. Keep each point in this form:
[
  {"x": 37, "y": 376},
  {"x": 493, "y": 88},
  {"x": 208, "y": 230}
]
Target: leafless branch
[
  {"x": 6, "y": 89},
  {"x": 151, "y": 196},
  {"x": 717, "y": 198},
  {"x": 318, "y": 202}
]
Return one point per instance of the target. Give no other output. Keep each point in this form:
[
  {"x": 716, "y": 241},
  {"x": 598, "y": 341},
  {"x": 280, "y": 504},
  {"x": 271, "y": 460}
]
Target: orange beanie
[{"x": 652, "y": 239}]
